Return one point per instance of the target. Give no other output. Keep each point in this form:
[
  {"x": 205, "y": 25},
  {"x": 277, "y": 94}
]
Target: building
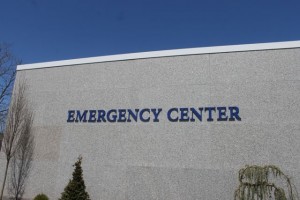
[
  {"x": 1, "y": 138},
  {"x": 176, "y": 124}
]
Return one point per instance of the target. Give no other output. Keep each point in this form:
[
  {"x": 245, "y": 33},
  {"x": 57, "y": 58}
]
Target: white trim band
[{"x": 164, "y": 53}]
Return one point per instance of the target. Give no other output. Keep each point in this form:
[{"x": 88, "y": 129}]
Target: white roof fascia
[{"x": 165, "y": 53}]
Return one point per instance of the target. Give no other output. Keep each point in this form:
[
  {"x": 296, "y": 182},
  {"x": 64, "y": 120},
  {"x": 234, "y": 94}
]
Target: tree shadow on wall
[{"x": 264, "y": 183}]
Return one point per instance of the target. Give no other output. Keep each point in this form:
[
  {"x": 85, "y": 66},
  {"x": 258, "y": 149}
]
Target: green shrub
[{"x": 41, "y": 197}]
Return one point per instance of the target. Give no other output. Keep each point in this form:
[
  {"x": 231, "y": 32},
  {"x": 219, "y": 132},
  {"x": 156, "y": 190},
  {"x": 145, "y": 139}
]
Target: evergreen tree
[{"x": 75, "y": 190}]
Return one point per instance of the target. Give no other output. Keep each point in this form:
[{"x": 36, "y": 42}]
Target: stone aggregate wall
[{"x": 165, "y": 160}]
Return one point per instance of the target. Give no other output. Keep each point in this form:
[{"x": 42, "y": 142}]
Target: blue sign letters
[{"x": 145, "y": 115}]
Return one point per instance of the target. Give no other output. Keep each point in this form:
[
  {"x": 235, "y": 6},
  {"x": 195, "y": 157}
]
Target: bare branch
[
  {"x": 18, "y": 141},
  {"x": 22, "y": 161},
  {"x": 8, "y": 65}
]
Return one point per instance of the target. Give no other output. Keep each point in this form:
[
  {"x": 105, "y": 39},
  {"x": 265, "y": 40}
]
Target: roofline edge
[{"x": 164, "y": 53}]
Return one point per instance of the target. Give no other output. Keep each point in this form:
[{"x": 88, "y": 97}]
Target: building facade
[
  {"x": 176, "y": 124},
  {"x": 1, "y": 138}
]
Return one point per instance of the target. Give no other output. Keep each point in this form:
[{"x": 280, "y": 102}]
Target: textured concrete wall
[{"x": 168, "y": 161}]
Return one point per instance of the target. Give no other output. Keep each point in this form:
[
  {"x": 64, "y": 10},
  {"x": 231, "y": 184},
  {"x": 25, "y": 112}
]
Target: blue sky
[{"x": 47, "y": 30}]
